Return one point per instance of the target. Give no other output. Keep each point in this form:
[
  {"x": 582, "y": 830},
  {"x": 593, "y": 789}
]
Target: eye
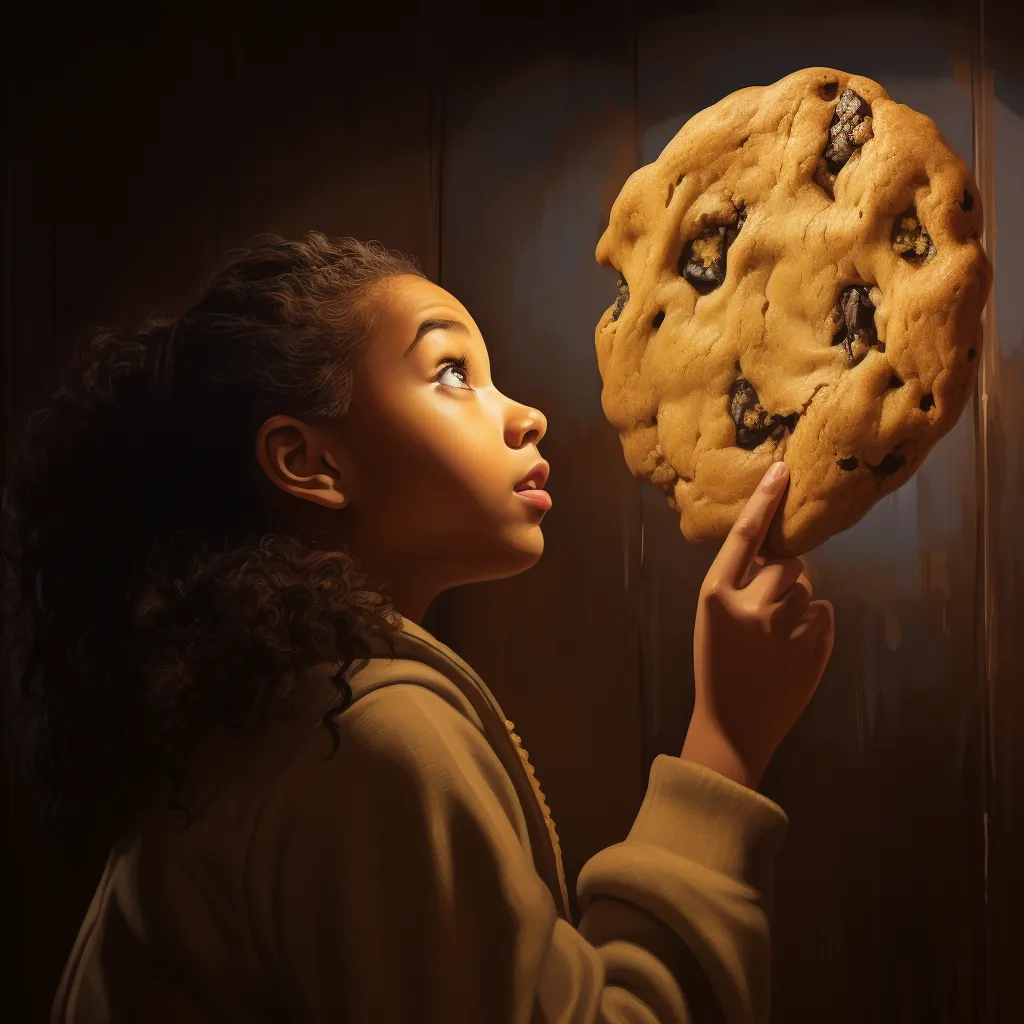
[{"x": 455, "y": 365}]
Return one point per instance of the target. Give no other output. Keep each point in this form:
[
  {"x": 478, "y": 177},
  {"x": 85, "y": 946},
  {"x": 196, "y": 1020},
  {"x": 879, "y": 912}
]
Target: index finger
[{"x": 747, "y": 535}]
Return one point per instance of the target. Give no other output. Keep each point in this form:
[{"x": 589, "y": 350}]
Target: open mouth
[
  {"x": 535, "y": 496},
  {"x": 535, "y": 479},
  {"x": 531, "y": 487}
]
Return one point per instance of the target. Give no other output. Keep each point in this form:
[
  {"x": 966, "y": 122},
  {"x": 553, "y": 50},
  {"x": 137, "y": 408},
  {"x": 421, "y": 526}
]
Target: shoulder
[
  {"x": 413, "y": 729},
  {"x": 403, "y": 746}
]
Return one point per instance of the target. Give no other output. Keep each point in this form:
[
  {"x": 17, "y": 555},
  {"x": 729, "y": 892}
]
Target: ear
[{"x": 304, "y": 461}]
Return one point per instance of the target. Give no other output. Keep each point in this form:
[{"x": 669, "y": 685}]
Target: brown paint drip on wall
[
  {"x": 987, "y": 406},
  {"x": 1000, "y": 426}
]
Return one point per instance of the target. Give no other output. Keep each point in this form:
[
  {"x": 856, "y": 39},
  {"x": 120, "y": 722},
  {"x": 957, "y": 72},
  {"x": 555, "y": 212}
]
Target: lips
[{"x": 535, "y": 479}]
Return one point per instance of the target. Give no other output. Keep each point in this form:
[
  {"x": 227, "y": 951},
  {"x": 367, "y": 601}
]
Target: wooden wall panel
[
  {"x": 999, "y": 106},
  {"x": 534, "y": 155},
  {"x": 146, "y": 142},
  {"x": 879, "y": 887}
]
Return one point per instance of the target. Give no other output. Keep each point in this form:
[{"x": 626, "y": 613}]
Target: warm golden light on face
[{"x": 437, "y": 449}]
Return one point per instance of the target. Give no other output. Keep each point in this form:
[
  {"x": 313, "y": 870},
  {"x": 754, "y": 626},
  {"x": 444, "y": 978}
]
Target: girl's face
[{"x": 430, "y": 454}]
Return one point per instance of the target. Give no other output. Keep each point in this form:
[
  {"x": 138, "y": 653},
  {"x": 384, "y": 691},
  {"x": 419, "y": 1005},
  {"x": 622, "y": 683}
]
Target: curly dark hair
[{"x": 149, "y": 594}]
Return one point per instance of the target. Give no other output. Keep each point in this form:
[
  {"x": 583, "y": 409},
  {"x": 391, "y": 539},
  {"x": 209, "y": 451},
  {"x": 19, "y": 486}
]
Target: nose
[{"x": 525, "y": 426}]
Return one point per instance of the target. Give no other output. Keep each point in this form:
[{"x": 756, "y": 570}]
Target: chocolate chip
[
  {"x": 895, "y": 382},
  {"x": 846, "y": 132},
  {"x": 968, "y": 202},
  {"x": 621, "y": 299},
  {"x": 927, "y": 401},
  {"x": 910, "y": 239},
  {"x": 857, "y": 314},
  {"x": 828, "y": 90},
  {"x": 849, "y": 130},
  {"x": 892, "y": 463},
  {"x": 754, "y": 425},
  {"x": 848, "y": 464},
  {"x": 703, "y": 260},
  {"x": 970, "y": 353},
  {"x": 658, "y": 320}
]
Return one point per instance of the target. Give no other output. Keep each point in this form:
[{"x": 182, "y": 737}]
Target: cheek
[
  {"x": 472, "y": 463},
  {"x": 445, "y": 468},
  {"x": 455, "y": 445},
  {"x": 434, "y": 467}
]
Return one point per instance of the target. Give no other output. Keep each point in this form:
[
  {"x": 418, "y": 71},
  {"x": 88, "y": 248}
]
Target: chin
[
  {"x": 529, "y": 558},
  {"x": 518, "y": 553},
  {"x": 527, "y": 543}
]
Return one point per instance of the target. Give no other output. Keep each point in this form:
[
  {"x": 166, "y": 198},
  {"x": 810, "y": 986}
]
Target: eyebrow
[{"x": 435, "y": 325}]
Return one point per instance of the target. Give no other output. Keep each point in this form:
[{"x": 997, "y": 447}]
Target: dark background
[{"x": 144, "y": 139}]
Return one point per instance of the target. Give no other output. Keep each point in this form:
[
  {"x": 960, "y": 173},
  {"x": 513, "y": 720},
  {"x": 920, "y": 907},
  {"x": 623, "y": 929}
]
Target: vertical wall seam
[{"x": 982, "y": 142}]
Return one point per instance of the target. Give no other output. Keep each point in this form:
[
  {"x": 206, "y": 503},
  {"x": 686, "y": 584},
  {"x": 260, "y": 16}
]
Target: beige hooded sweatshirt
[{"x": 415, "y": 876}]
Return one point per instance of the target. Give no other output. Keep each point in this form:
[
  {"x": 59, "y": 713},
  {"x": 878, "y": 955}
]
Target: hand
[{"x": 760, "y": 646}]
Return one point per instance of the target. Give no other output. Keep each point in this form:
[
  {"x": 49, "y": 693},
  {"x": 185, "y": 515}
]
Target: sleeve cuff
[{"x": 710, "y": 820}]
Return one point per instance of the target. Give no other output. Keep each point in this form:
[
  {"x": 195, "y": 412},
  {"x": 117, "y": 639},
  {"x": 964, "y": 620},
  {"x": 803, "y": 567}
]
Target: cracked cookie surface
[{"x": 801, "y": 279}]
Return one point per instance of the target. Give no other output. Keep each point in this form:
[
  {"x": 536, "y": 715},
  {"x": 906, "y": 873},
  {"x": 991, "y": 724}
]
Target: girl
[{"x": 316, "y": 811}]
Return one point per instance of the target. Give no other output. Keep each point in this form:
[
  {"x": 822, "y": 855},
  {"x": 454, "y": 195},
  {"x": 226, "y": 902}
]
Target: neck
[{"x": 409, "y": 596}]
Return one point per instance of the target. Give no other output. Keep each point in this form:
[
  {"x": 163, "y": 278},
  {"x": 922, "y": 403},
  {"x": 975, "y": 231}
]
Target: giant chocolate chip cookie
[{"x": 800, "y": 278}]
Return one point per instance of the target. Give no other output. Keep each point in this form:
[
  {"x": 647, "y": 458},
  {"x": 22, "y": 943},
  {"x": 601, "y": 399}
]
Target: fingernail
[{"x": 778, "y": 473}]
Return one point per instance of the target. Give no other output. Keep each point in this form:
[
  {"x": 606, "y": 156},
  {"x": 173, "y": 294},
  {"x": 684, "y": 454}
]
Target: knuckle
[
  {"x": 754, "y": 615},
  {"x": 746, "y": 527}
]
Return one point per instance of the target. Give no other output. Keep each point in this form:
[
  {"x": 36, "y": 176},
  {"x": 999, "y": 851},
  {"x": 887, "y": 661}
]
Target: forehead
[{"x": 407, "y": 300}]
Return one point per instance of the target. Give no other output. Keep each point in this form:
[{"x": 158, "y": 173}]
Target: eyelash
[{"x": 460, "y": 363}]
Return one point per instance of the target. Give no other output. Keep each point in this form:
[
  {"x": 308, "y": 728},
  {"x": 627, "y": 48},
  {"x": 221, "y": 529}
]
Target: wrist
[{"x": 708, "y": 746}]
